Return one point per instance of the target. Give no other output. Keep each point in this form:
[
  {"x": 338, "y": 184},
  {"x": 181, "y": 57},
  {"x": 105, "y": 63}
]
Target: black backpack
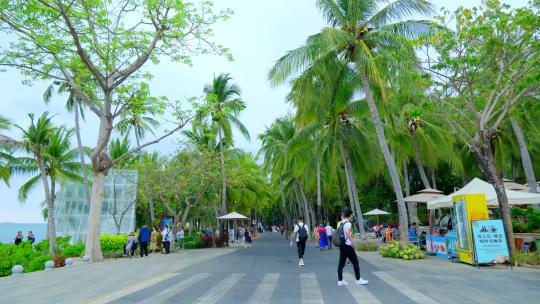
[
  {"x": 338, "y": 238},
  {"x": 302, "y": 233}
]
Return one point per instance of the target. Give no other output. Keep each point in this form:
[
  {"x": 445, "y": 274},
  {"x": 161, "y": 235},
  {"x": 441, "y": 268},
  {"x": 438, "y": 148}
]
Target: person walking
[
  {"x": 323, "y": 237},
  {"x": 166, "y": 239},
  {"x": 247, "y": 238},
  {"x": 300, "y": 234},
  {"x": 180, "y": 237},
  {"x": 130, "y": 245},
  {"x": 154, "y": 237},
  {"x": 18, "y": 238},
  {"x": 329, "y": 231},
  {"x": 144, "y": 238},
  {"x": 31, "y": 237},
  {"x": 346, "y": 251}
]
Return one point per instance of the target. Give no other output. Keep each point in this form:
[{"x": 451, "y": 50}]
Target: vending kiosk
[{"x": 468, "y": 208}]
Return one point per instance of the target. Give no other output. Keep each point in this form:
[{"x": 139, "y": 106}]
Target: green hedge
[
  {"x": 113, "y": 243},
  {"x": 71, "y": 251},
  {"x": 23, "y": 254}
]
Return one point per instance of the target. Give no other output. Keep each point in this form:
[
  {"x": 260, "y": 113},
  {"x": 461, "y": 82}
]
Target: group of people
[
  {"x": 325, "y": 235},
  {"x": 387, "y": 232},
  {"x": 159, "y": 241},
  {"x": 245, "y": 234},
  {"x": 19, "y": 238}
]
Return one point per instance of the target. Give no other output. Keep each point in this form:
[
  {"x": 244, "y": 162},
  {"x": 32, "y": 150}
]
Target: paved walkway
[{"x": 269, "y": 273}]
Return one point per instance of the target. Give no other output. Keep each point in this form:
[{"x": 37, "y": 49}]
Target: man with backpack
[
  {"x": 346, "y": 249},
  {"x": 301, "y": 232}
]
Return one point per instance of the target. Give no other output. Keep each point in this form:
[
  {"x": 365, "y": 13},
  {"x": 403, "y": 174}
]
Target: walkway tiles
[{"x": 405, "y": 289}]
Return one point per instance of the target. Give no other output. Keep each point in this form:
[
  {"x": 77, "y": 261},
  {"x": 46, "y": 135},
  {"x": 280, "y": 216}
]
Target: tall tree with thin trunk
[
  {"x": 53, "y": 160},
  {"x": 73, "y": 104},
  {"x": 524, "y": 152},
  {"x": 365, "y": 35},
  {"x": 492, "y": 44},
  {"x": 223, "y": 108}
]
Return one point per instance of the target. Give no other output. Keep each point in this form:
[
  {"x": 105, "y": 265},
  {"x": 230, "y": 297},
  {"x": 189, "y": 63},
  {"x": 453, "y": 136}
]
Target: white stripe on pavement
[
  {"x": 405, "y": 289},
  {"x": 263, "y": 293},
  {"x": 130, "y": 289},
  {"x": 359, "y": 292},
  {"x": 167, "y": 293},
  {"x": 310, "y": 291},
  {"x": 214, "y": 294}
]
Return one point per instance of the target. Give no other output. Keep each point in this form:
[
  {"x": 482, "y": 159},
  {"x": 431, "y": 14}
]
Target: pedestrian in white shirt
[
  {"x": 300, "y": 234},
  {"x": 346, "y": 250},
  {"x": 329, "y": 231}
]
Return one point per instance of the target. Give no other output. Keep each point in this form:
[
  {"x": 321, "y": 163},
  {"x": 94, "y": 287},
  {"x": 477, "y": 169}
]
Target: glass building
[{"x": 117, "y": 213}]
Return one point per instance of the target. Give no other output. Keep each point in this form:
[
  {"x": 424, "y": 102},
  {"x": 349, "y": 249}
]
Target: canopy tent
[
  {"x": 511, "y": 185},
  {"x": 479, "y": 186},
  {"x": 424, "y": 196},
  {"x": 235, "y": 217},
  {"x": 377, "y": 212}
]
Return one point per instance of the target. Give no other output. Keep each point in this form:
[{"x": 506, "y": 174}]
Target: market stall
[{"x": 469, "y": 206}]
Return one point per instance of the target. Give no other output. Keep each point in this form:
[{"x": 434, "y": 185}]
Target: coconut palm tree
[
  {"x": 324, "y": 97},
  {"x": 75, "y": 105},
  {"x": 223, "y": 107},
  {"x": 367, "y": 36},
  {"x": 6, "y": 144},
  {"x": 52, "y": 159}
]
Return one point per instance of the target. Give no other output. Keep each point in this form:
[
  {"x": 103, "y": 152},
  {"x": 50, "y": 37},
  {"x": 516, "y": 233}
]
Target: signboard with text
[{"x": 490, "y": 241}]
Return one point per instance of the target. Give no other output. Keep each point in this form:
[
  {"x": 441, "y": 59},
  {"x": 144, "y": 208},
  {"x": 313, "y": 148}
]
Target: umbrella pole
[{"x": 430, "y": 230}]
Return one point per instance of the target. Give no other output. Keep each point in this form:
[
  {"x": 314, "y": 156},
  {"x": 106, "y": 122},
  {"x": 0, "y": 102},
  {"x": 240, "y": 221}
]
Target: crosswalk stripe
[
  {"x": 359, "y": 292},
  {"x": 214, "y": 294},
  {"x": 410, "y": 292},
  {"x": 175, "y": 289},
  {"x": 263, "y": 293},
  {"x": 310, "y": 292}
]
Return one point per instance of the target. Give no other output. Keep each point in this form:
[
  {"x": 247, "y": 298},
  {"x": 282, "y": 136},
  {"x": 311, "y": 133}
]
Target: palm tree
[
  {"x": 52, "y": 159},
  {"x": 366, "y": 35},
  {"x": 223, "y": 107},
  {"x": 75, "y": 105},
  {"x": 6, "y": 143},
  {"x": 323, "y": 96},
  {"x": 517, "y": 119}
]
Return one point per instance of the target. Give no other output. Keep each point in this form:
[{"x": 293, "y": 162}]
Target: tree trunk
[
  {"x": 411, "y": 206},
  {"x": 319, "y": 198},
  {"x": 51, "y": 217},
  {"x": 485, "y": 156},
  {"x": 151, "y": 205},
  {"x": 352, "y": 185},
  {"x": 433, "y": 179},
  {"x": 305, "y": 202},
  {"x": 185, "y": 215},
  {"x": 93, "y": 246},
  {"x": 525, "y": 156},
  {"x": 419, "y": 161},
  {"x": 51, "y": 229},
  {"x": 389, "y": 159},
  {"x": 223, "y": 174},
  {"x": 81, "y": 152},
  {"x": 283, "y": 202}
]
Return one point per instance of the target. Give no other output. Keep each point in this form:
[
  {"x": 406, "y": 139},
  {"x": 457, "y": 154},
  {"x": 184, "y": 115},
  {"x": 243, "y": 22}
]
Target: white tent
[
  {"x": 477, "y": 186},
  {"x": 233, "y": 216},
  {"x": 376, "y": 212},
  {"x": 424, "y": 196}
]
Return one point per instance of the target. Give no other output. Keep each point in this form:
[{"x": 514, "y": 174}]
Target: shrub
[
  {"x": 61, "y": 243},
  {"x": 395, "y": 250},
  {"x": 113, "y": 243},
  {"x": 71, "y": 251},
  {"x": 367, "y": 246},
  {"x": 38, "y": 263},
  {"x": 529, "y": 258}
]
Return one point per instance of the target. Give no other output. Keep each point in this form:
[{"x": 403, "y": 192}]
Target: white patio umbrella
[
  {"x": 235, "y": 217},
  {"x": 377, "y": 212}
]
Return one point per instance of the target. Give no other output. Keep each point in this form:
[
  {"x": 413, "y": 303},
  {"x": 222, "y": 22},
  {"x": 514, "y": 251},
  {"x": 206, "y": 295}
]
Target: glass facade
[{"x": 118, "y": 210}]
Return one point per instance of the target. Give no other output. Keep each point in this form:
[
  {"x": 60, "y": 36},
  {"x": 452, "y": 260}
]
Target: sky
[{"x": 258, "y": 34}]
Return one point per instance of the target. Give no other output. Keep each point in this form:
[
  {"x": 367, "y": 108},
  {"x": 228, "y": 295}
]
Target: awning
[
  {"x": 233, "y": 216},
  {"x": 478, "y": 186}
]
